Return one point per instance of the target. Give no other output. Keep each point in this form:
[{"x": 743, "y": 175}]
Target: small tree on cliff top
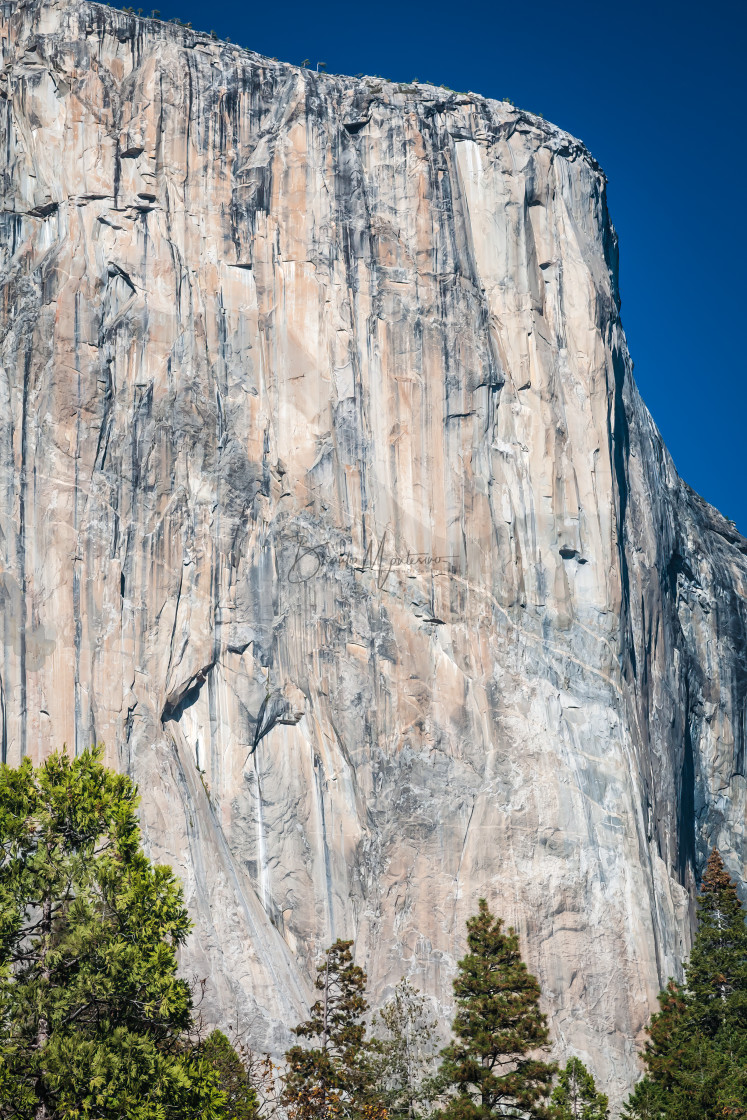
[
  {"x": 94, "y": 1021},
  {"x": 499, "y": 1027}
]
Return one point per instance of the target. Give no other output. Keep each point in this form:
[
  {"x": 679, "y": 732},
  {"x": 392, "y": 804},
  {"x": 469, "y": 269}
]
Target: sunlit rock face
[{"x": 328, "y": 503}]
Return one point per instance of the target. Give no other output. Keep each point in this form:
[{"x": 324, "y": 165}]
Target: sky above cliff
[{"x": 657, "y": 92}]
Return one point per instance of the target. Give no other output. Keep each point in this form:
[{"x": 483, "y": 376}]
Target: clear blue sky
[{"x": 658, "y": 92}]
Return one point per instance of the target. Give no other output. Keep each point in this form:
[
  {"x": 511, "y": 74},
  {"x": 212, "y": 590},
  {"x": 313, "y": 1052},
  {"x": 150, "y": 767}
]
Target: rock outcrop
[{"x": 328, "y": 503}]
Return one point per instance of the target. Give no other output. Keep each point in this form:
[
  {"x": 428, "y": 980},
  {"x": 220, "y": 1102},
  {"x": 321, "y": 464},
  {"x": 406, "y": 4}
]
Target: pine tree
[
  {"x": 645, "y": 1102},
  {"x": 492, "y": 1066},
  {"x": 333, "y": 1079},
  {"x": 669, "y": 1035},
  {"x": 404, "y": 1053},
  {"x": 576, "y": 1096},
  {"x": 232, "y": 1076},
  {"x": 696, "y": 1055},
  {"x": 93, "y": 1018},
  {"x": 717, "y": 971}
]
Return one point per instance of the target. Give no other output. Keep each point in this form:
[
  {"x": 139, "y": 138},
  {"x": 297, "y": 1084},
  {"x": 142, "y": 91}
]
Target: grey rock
[{"x": 328, "y": 503}]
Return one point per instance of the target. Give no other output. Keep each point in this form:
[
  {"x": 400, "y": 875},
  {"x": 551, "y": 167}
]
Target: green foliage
[
  {"x": 696, "y": 1056},
  {"x": 333, "y": 1078},
  {"x": 404, "y": 1053},
  {"x": 233, "y": 1078},
  {"x": 492, "y": 1067},
  {"x": 94, "y": 1021},
  {"x": 716, "y": 975},
  {"x": 575, "y": 1096}
]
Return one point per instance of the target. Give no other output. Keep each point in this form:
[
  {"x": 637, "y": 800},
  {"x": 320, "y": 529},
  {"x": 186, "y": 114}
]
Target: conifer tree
[
  {"x": 333, "y": 1078},
  {"x": 492, "y": 1065},
  {"x": 404, "y": 1054},
  {"x": 717, "y": 971},
  {"x": 696, "y": 1055},
  {"x": 670, "y": 1035},
  {"x": 232, "y": 1076},
  {"x": 94, "y": 1020},
  {"x": 575, "y": 1096}
]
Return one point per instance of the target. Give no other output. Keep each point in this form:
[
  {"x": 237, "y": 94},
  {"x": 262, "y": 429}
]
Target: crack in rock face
[{"x": 328, "y": 503}]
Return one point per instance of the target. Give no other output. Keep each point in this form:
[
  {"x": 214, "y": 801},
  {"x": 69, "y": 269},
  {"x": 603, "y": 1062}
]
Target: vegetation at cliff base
[
  {"x": 404, "y": 1054},
  {"x": 491, "y": 1069},
  {"x": 576, "y": 1096},
  {"x": 492, "y": 1066},
  {"x": 94, "y": 1021},
  {"x": 696, "y": 1056},
  {"x": 234, "y": 1078},
  {"x": 333, "y": 1078}
]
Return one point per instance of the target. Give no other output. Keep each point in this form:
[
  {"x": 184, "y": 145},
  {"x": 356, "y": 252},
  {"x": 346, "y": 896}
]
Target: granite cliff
[{"x": 328, "y": 503}]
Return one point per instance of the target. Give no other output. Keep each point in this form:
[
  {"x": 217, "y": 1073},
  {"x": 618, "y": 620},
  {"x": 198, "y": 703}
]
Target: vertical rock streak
[{"x": 323, "y": 472}]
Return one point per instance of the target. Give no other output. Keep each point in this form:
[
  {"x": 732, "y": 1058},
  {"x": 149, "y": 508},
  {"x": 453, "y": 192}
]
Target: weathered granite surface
[{"x": 266, "y": 335}]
